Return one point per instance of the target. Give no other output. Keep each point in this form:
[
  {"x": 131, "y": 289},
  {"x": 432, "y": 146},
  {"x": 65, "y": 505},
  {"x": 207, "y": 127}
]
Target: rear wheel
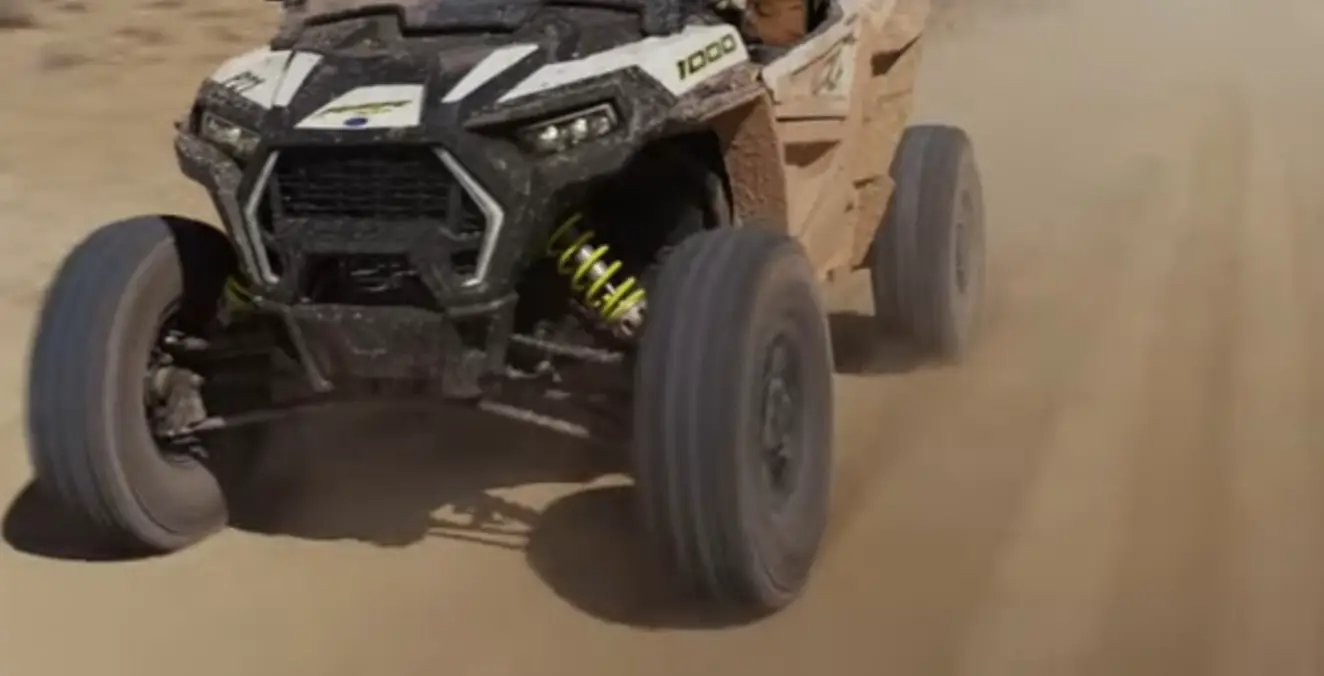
[
  {"x": 733, "y": 415},
  {"x": 927, "y": 265},
  {"x": 104, "y": 389}
]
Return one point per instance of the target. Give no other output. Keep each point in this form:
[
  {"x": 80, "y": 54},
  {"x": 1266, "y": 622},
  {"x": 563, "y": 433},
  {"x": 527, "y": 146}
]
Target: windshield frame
[{"x": 448, "y": 15}]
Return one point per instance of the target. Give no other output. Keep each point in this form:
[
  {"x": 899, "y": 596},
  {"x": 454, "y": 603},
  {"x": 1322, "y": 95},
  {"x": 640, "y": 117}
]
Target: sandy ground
[{"x": 1125, "y": 479}]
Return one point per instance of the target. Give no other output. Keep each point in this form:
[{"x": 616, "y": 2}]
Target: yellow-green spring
[
  {"x": 616, "y": 301},
  {"x": 237, "y": 296}
]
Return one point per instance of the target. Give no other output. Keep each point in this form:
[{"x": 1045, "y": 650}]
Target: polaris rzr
[{"x": 624, "y": 204}]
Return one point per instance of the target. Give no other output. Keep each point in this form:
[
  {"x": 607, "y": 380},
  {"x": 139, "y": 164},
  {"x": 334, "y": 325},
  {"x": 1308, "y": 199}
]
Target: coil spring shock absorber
[
  {"x": 236, "y": 299},
  {"x": 619, "y": 302},
  {"x": 236, "y": 295}
]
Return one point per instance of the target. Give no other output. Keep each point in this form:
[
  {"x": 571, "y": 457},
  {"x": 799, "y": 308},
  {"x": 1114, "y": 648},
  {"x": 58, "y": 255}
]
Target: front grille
[{"x": 380, "y": 183}]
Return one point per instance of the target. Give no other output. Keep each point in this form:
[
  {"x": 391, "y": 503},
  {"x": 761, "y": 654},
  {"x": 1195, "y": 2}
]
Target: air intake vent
[{"x": 379, "y": 183}]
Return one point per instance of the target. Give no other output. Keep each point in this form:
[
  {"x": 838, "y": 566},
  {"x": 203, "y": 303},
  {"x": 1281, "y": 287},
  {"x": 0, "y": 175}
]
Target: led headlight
[
  {"x": 235, "y": 140},
  {"x": 568, "y": 131}
]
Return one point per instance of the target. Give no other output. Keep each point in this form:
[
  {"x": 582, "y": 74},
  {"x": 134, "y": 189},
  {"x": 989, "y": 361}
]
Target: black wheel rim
[{"x": 781, "y": 438}]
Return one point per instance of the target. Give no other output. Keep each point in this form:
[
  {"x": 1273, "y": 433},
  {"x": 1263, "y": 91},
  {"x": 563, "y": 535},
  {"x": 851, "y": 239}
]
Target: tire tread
[{"x": 684, "y": 485}]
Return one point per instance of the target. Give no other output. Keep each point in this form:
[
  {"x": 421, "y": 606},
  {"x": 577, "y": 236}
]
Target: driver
[{"x": 776, "y": 23}]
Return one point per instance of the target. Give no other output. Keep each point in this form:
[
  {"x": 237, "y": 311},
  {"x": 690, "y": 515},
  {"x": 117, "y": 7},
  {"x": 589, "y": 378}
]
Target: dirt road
[{"x": 1127, "y": 477}]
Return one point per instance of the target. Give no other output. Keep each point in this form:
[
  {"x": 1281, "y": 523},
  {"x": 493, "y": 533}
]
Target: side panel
[
  {"x": 813, "y": 86},
  {"x": 841, "y": 101},
  {"x": 888, "y": 99}
]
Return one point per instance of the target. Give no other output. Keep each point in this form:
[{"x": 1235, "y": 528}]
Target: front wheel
[
  {"x": 102, "y": 385},
  {"x": 733, "y": 416}
]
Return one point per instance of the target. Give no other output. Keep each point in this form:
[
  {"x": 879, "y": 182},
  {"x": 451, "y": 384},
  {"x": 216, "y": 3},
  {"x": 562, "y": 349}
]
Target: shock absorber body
[{"x": 616, "y": 300}]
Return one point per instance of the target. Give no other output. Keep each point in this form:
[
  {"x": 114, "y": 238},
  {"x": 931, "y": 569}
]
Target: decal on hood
[
  {"x": 492, "y": 65},
  {"x": 373, "y": 107}
]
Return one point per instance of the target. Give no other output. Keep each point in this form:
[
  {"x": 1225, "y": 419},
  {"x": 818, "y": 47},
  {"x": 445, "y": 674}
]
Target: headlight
[
  {"x": 235, "y": 140},
  {"x": 568, "y": 131}
]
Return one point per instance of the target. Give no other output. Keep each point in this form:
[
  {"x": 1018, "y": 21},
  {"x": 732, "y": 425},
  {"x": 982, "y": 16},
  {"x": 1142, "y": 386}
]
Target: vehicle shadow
[
  {"x": 861, "y": 347},
  {"x": 610, "y": 570},
  {"x": 418, "y": 475},
  {"x": 394, "y": 477},
  {"x": 376, "y": 474},
  {"x": 37, "y": 525}
]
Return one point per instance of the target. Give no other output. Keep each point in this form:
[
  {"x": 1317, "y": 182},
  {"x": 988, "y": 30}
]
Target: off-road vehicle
[{"x": 620, "y": 202}]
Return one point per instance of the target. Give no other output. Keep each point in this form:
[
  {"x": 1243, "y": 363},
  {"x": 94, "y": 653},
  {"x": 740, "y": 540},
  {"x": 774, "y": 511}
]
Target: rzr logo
[
  {"x": 363, "y": 108},
  {"x": 242, "y": 82}
]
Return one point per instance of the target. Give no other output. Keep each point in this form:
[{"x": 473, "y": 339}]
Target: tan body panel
[{"x": 814, "y": 152}]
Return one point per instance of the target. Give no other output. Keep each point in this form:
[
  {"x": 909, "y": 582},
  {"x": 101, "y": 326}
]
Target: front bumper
[{"x": 336, "y": 344}]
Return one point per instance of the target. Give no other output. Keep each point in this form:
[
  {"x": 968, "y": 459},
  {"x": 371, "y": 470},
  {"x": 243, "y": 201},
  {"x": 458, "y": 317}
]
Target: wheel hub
[
  {"x": 961, "y": 262},
  {"x": 172, "y": 398},
  {"x": 781, "y": 416}
]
